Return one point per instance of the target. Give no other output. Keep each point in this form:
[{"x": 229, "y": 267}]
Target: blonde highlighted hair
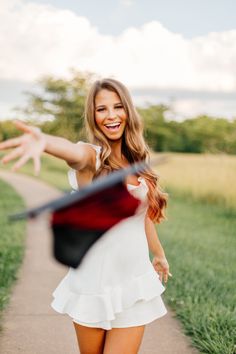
[{"x": 133, "y": 147}]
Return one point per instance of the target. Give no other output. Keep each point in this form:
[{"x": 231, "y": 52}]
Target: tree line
[{"x": 59, "y": 109}]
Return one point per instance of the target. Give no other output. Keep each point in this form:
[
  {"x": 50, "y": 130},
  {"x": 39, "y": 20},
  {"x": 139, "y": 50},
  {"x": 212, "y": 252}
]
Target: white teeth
[{"x": 112, "y": 124}]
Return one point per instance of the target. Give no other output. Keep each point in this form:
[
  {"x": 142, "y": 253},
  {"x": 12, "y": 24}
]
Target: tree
[
  {"x": 8, "y": 130},
  {"x": 156, "y": 128},
  {"x": 60, "y": 104}
]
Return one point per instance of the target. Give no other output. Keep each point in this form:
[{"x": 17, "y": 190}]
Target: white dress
[{"x": 116, "y": 284}]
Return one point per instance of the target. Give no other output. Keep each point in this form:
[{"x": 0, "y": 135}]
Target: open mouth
[{"x": 113, "y": 127}]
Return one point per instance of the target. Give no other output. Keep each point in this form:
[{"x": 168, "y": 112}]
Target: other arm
[{"x": 159, "y": 261}]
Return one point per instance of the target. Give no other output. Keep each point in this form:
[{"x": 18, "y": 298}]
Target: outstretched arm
[
  {"x": 159, "y": 261},
  {"x": 34, "y": 142}
]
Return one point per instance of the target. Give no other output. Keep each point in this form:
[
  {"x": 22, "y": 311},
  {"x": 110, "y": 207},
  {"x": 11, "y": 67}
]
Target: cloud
[
  {"x": 127, "y": 3},
  {"x": 37, "y": 39}
]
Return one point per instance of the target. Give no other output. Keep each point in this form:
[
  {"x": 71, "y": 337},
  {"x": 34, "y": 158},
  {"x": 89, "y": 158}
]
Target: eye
[
  {"x": 100, "y": 109},
  {"x": 119, "y": 106}
]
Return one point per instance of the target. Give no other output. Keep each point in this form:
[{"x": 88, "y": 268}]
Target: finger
[
  {"x": 12, "y": 155},
  {"x": 10, "y": 143},
  {"x": 23, "y": 126},
  {"x": 28, "y": 128},
  {"x": 160, "y": 276},
  {"x": 21, "y": 162},
  {"x": 165, "y": 277},
  {"x": 37, "y": 165}
]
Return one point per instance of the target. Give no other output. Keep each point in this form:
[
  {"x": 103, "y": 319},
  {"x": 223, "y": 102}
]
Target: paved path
[{"x": 30, "y": 325}]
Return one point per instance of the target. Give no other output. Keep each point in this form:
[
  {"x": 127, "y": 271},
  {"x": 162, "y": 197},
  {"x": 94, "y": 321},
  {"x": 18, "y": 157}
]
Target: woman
[{"x": 117, "y": 290}]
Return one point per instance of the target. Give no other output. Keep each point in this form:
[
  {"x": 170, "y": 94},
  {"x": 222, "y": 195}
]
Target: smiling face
[{"x": 110, "y": 114}]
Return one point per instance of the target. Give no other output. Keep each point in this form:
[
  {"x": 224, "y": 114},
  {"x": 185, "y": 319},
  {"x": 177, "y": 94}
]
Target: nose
[{"x": 111, "y": 113}]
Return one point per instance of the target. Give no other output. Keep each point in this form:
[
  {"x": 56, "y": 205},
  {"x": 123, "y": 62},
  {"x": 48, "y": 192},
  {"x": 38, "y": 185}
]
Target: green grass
[
  {"x": 200, "y": 242},
  {"x": 12, "y": 242}
]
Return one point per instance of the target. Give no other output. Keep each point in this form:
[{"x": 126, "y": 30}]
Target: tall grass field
[
  {"x": 206, "y": 177},
  {"x": 199, "y": 239}
]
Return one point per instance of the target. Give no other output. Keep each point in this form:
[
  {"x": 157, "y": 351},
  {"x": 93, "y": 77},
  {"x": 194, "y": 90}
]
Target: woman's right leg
[{"x": 90, "y": 340}]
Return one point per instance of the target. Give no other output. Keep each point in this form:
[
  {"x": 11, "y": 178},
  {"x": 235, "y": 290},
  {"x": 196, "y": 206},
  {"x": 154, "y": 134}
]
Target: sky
[
  {"x": 178, "y": 52},
  {"x": 190, "y": 18}
]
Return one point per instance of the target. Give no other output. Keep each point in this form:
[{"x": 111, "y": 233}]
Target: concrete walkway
[{"x": 30, "y": 325}]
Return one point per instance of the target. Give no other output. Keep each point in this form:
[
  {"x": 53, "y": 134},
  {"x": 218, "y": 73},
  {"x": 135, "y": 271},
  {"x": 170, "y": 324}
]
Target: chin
[{"x": 113, "y": 137}]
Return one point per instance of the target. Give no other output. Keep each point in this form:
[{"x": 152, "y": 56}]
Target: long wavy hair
[{"x": 133, "y": 146}]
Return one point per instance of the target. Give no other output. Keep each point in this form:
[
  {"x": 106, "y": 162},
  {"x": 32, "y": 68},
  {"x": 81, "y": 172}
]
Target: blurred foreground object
[{"x": 80, "y": 218}]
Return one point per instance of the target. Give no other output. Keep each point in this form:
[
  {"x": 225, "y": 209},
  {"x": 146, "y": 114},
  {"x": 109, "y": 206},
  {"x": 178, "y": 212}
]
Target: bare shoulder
[{"x": 86, "y": 157}]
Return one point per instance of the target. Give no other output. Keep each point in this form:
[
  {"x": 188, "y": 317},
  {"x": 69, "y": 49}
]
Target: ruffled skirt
[{"x": 132, "y": 304}]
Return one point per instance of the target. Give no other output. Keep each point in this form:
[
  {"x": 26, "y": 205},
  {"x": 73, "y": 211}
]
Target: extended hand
[
  {"x": 161, "y": 266},
  {"x": 29, "y": 145}
]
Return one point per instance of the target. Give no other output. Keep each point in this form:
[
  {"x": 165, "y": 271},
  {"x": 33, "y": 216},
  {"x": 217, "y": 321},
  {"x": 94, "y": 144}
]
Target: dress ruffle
[{"x": 92, "y": 308}]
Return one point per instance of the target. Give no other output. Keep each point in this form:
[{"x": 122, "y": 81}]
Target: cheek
[
  {"x": 98, "y": 119},
  {"x": 124, "y": 117}
]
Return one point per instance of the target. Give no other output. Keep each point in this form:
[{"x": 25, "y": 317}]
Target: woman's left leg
[{"x": 123, "y": 340}]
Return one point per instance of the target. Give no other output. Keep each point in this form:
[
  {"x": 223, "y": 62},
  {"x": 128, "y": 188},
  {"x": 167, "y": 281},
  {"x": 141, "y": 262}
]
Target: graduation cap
[{"x": 80, "y": 218}]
